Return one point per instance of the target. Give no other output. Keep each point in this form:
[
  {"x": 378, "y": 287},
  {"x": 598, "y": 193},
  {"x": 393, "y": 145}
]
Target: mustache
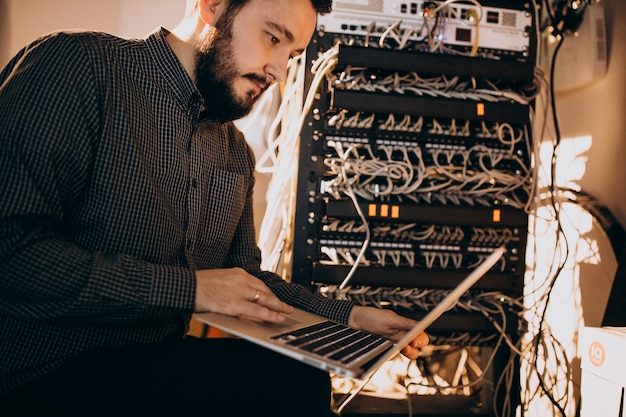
[{"x": 259, "y": 79}]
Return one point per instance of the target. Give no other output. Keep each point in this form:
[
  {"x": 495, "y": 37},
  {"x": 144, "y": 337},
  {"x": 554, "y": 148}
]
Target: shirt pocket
[{"x": 224, "y": 204}]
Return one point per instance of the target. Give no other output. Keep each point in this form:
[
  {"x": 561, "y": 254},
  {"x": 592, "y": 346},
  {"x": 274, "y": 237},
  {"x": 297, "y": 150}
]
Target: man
[{"x": 126, "y": 206}]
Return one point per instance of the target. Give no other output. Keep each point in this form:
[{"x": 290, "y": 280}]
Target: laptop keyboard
[{"x": 332, "y": 340}]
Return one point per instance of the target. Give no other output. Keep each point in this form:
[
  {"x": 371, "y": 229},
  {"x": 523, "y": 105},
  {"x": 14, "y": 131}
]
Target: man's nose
[{"x": 276, "y": 70}]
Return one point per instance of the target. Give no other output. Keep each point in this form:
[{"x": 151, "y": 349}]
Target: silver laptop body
[{"x": 332, "y": 346}]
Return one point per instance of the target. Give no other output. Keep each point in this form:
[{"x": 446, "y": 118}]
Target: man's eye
[{"x": 273, "y": 39}]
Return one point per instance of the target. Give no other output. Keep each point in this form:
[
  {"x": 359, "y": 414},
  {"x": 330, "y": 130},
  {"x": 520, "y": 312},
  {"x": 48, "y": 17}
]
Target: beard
[{"x": 216, "y": 74}]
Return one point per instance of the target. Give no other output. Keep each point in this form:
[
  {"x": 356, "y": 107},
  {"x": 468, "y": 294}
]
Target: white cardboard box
[{"x": 603, "y": 351}]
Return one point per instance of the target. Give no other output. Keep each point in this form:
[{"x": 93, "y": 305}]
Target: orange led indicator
[
  {"x": 384, "y": 210},
  {"x": 395, "y": 212},
  {"x": 497, "y": 216},
  {"x": 371, "y": 210},
  {"x": 480, "y": 109}
]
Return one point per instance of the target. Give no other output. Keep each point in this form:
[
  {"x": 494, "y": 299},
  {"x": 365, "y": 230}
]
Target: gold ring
[{"x": 257, "y": 295}]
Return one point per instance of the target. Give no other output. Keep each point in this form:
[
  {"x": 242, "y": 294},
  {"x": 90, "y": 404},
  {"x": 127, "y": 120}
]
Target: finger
[
  {"x": 410, "y": 352},
  {"x": 262, "y": 295},
  {"x": 420, "y": 341},
  {"x": 264, "y": 305}
]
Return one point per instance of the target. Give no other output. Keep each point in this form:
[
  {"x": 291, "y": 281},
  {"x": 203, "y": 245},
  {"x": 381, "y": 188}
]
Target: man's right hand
[{"x": 234, "y": 292}]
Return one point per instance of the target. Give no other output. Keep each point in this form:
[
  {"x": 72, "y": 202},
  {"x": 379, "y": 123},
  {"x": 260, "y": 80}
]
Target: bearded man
[{"x": 126, "y": 206}]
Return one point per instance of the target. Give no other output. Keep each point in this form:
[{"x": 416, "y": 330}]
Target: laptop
[{"x": 332, "y": 346}]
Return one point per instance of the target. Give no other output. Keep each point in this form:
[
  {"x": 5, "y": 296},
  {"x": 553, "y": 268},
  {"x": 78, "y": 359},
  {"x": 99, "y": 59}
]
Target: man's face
[{"x": 249, "y": 51}]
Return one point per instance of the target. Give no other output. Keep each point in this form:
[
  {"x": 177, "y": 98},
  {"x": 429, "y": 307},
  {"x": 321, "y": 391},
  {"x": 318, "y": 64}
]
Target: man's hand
[
  {"x": 388, "y": 324},
  {"x": 234, "y": 292}
]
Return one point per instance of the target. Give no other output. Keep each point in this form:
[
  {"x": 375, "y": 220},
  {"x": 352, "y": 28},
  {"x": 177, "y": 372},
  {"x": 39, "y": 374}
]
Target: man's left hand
[{"x": 388, "y": 324}]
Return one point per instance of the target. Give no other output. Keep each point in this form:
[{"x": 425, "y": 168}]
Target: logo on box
[{"x": 596, "y": 354}]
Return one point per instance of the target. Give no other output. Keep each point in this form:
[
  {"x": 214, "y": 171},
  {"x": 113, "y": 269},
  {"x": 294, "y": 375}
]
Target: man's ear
[{"x": 210, "y": 10}]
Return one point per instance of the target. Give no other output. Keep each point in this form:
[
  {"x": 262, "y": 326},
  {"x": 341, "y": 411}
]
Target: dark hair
[{"x": 322, "y": 6}]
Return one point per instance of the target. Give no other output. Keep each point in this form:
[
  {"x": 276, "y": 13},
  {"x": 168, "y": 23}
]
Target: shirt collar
[{"x": 177, "y": 79}]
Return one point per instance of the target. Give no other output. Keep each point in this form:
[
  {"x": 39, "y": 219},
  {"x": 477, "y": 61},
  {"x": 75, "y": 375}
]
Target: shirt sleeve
[{"x": 50, "y": 125}]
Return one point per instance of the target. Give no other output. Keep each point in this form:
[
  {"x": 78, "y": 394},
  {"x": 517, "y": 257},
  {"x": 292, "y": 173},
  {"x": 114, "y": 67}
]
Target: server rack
[{"x": 415, "y": 162}]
